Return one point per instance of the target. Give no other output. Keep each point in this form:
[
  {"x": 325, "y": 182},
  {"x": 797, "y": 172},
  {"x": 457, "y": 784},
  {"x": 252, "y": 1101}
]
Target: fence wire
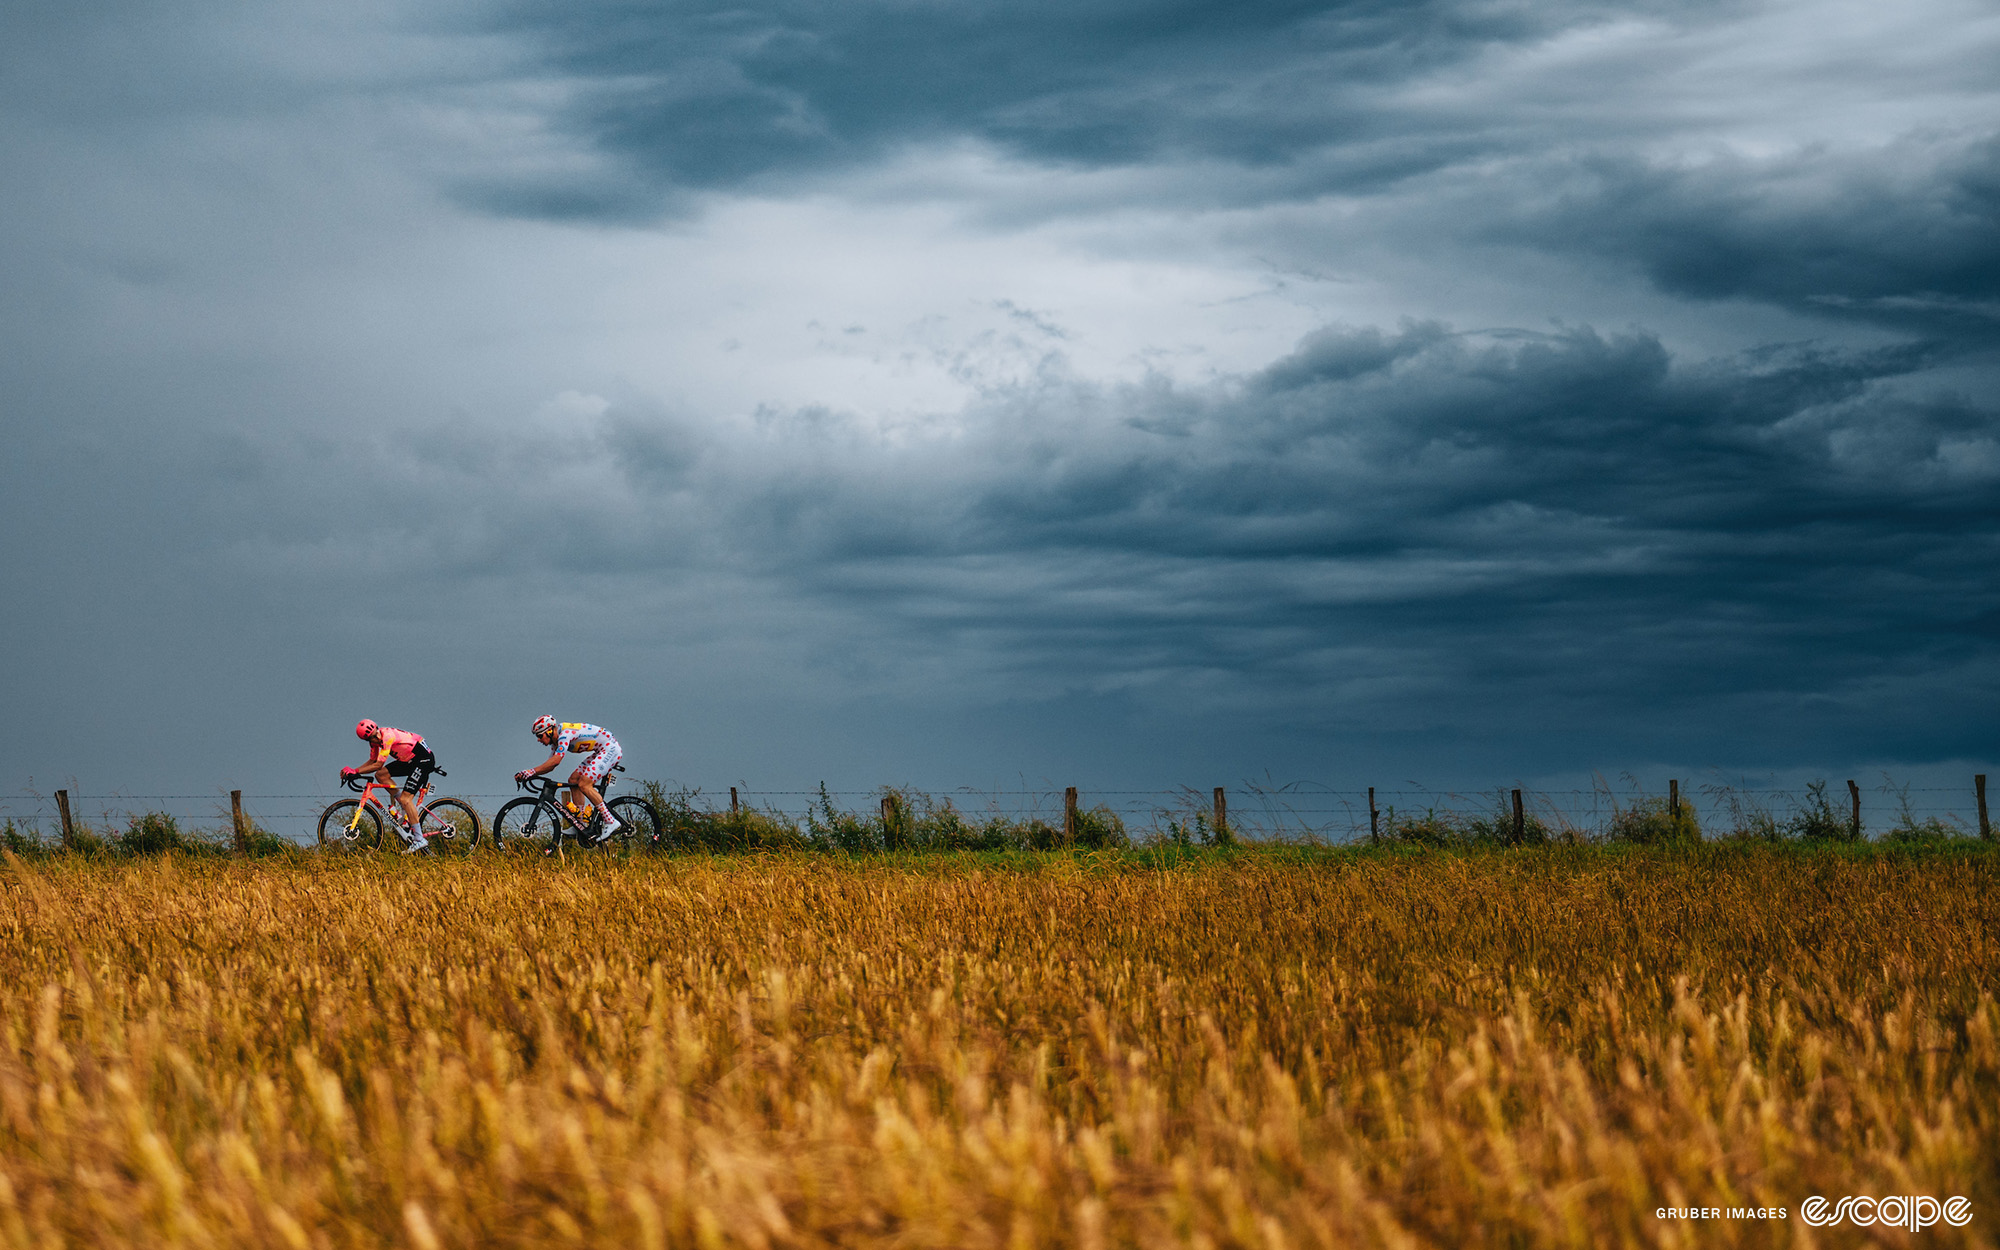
[{"x": 1291, "y": 812}]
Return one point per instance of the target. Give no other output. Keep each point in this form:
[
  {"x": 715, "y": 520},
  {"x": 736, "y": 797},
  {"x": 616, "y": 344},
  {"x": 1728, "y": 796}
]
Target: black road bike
[
  {"x": 449, "y": 825},
  {"x": 539, "y": 817}
]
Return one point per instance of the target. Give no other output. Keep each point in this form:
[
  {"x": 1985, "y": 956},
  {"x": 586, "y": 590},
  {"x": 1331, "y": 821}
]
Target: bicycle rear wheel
[
  {"x": 451, "y": 826},
  {"x": 525, "y": 824},
  {"x": 636, "y": 819},
  {"x": 350, "y": 826}
]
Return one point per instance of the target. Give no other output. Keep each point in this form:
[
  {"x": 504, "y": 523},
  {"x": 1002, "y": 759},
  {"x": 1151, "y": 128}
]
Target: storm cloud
[
  {"x": 890, "y": 392},
  {"x": 715, "y": 94}
]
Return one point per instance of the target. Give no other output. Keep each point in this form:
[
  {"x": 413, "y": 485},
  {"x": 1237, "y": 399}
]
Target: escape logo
[{"x": 1895, "y": 1211}]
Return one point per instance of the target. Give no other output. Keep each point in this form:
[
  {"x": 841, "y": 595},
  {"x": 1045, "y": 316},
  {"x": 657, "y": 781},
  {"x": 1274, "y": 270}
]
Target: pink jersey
[{"x": 396, "y": 745}]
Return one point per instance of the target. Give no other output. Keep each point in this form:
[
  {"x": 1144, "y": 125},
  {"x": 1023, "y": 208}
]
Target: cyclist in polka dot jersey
[{"x": 575, "y": 737}]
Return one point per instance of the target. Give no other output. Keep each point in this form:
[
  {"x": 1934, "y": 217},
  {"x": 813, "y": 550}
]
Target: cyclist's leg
[
  {"x": 585, "y": 778},
  {"x": 384, "y": 779},
  {"x": 575, "y": 806},
  {"x": 406, "y": 801},
  {"x": 421, "y": 769},
  {"x": 583, "y": 795}
]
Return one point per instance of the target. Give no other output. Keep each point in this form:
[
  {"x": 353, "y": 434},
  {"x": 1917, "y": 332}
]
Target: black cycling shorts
[{"x": 417, "y": 769}]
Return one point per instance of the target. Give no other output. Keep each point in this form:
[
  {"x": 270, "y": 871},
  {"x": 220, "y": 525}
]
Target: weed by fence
[
  {"x": 145, "y": 833},
  {"x": 909, "y": 819}
]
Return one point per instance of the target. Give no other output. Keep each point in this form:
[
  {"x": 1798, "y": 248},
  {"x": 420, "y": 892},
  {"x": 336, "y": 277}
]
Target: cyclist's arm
[
  {"x": 546, "y": 764},
  {"x": 375, "y": 762}
]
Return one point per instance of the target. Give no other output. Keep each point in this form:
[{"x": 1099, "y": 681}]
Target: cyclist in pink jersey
[
  {"x": 397, "y": 753},
  {"x": 576, "y": 737}
]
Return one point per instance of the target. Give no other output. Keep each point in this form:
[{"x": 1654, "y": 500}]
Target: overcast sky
[{"x": 1105, "y": 392}]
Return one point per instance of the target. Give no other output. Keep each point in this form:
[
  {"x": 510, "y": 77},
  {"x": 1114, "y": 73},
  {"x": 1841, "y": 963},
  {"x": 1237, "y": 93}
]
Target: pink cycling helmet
[
  {"x": 367, "y": 729},
  {"x": 545, "y": 725}
]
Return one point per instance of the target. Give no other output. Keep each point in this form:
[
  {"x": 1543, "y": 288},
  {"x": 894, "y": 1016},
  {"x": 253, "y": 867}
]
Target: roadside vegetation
[
  {"x": 1157, "y": 1045},
  {"x": 148, "y": 833},
  {"x": 905, "y": 819}
]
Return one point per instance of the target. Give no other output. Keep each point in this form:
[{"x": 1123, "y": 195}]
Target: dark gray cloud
[
  {"x": 1906, "y": 234},
  {"x": 1407, "y": 531},
  {"x": 1413, "y": 529},
  {"x": 890, "y": 390},
  {"x": 714, "y": 95},
  {"x": 1434, "y": 506},
  {"x": 1381, "y": 104}
]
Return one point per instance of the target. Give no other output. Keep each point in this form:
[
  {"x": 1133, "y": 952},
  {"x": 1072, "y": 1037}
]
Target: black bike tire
[
  {"x": 523, "y": 822},
  {"x": 467, "y": 824},
  {"x": 368, "y": 837},
  {"x": 637, "y": 819}
]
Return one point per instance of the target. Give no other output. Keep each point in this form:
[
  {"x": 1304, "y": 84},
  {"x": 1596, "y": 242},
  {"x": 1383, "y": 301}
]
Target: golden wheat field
[{"x": 1409, "y": 1049}]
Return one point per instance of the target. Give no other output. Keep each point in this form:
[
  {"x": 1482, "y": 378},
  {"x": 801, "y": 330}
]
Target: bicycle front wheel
[
  {"x": 525, "y": 824},
  {"x": 636, "y": 819},
  {"x": 451, "y": 826},
  {"x": 351, "y": 826}
]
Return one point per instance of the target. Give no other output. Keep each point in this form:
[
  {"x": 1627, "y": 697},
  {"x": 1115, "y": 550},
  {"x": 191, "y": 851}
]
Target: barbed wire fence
[{"x": 1299, "y": 811}]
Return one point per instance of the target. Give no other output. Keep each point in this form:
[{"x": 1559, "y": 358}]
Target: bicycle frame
[
  {"x": 544, "y": 786},
  {"x": 368, "y": 784},
  {"x": 546, "y": 790}
]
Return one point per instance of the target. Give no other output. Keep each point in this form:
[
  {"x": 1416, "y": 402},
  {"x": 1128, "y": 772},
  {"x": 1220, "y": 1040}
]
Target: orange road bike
[{"x": 449, "y": 825}]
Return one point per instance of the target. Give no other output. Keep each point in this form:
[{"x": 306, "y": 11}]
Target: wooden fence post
[
  {"x": 68, "y": 830},
  {"x": 236, "y": 821},
  {"x": 1674, "y": 799},
  {"x": 1221, "y": 813},
  {"x": 1979, "y": 788},
  {"x": 1854, "y": 795},
  {"x": 1374, "y": 821},
  {"x": 890, "y": 835},
  {"x": 1069, "y": 814},
  {"x": 1520, "y": 819},
  {"x": 732, "y": 800}
]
